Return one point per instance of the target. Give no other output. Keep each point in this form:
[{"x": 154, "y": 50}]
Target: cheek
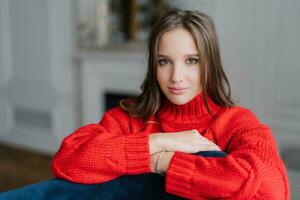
[
  {"x": 161, "y": 76},
  {"x": 194, "y": 76}
]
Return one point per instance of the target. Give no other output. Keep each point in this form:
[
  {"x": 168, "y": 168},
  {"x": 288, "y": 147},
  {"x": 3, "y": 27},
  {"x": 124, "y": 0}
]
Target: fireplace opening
[{"x": 112, "y": 98}]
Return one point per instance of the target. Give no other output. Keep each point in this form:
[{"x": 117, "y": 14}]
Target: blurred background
[{"x": 64, "y": 62}]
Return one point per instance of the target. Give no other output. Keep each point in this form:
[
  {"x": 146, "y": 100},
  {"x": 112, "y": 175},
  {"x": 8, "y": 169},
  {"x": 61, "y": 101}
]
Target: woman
[{"x": 185, "y": 107}]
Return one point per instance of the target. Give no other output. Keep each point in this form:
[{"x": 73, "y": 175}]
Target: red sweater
[{"x": 119, "y": 145}]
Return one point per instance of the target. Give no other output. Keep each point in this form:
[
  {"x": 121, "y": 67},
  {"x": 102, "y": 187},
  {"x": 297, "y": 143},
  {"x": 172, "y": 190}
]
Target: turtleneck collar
[{"x": 192, "y": 112}]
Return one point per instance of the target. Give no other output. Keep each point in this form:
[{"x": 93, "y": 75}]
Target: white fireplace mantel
[{"x": 113, "y": 72}]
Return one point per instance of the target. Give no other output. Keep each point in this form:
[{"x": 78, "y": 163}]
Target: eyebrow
[{"x": 187, "y": 55}]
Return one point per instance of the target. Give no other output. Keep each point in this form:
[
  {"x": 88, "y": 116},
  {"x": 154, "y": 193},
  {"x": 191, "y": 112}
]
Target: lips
[{"x": 177, "y": 90}]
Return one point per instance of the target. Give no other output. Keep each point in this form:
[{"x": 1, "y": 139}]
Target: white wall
[{"x": 38, "y": 105}]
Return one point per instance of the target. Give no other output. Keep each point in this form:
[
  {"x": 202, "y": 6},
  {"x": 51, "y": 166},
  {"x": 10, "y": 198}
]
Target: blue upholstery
[{"x": 144, "y": 186}]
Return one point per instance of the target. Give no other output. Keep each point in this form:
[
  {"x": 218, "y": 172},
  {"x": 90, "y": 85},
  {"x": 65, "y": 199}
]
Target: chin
[{"x": 178, "y": 100}]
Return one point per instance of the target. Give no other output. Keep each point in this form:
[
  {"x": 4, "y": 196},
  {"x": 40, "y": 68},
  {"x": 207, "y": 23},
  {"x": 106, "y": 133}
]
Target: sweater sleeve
[
  {"x": 252, "y": 165},
  {"x": 97, "y": 153}
]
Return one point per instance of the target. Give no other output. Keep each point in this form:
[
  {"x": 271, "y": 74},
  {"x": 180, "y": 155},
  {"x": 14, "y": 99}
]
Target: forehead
[{"x": 178, "y": 41}]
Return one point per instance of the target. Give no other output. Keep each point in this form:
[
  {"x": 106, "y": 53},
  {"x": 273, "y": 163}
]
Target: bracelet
[{"x": 156, "y": 166}]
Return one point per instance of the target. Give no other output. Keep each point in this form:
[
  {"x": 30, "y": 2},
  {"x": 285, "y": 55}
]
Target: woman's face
[{"x": 178, "y": 68}]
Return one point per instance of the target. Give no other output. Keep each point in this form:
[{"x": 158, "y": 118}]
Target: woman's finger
[{"x": 206, "y": 147}]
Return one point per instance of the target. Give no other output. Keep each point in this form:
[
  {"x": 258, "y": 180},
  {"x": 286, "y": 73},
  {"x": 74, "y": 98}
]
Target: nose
[{"x": 177, "y": 73}]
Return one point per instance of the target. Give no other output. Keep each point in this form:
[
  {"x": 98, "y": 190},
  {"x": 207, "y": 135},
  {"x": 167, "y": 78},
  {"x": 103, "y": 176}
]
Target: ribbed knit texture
[{"x": 119, "y": 145}]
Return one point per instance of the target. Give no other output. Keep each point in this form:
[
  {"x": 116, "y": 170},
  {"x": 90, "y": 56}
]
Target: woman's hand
[
  {"x": 185, "y": 141},
  {"x": 189, "y": 142}
]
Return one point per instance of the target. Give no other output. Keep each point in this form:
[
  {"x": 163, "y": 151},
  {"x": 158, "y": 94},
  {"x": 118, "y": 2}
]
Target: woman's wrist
[
  {"x": 156, "y": 143},
  {"x": 164, "y": 161},
  {"x": 154, "y": 162},
  {"x": 157, "y": 170}
]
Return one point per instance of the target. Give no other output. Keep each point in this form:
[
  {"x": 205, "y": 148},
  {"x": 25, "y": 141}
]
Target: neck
[{"x": 192, "y": 112}]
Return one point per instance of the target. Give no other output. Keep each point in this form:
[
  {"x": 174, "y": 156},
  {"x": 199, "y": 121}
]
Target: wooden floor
[{"x": 22, "y": 167}]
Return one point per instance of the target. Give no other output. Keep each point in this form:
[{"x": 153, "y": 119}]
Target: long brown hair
[{"x": 214, "y": 82}]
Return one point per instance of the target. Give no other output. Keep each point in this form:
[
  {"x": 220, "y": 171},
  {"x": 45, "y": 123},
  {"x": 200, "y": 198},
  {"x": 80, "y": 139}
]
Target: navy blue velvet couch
[{"x": 137, "y": 187}]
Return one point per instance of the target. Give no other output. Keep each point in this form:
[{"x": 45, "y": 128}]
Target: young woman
[{"x": 185, "y": 107}]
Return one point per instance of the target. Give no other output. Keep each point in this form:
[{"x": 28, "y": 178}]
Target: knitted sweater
[{"x": 119, "y": 145}]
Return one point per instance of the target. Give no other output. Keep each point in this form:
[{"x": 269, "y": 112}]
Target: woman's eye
[
  {"x": 192, "y": 61},
  {"x": 163, "y": 61}
]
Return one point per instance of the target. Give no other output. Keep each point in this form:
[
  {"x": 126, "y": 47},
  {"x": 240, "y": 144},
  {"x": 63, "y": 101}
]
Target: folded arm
[
  {"x": 92, "y": 154},
  {"x": 252, "y": 155}
]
